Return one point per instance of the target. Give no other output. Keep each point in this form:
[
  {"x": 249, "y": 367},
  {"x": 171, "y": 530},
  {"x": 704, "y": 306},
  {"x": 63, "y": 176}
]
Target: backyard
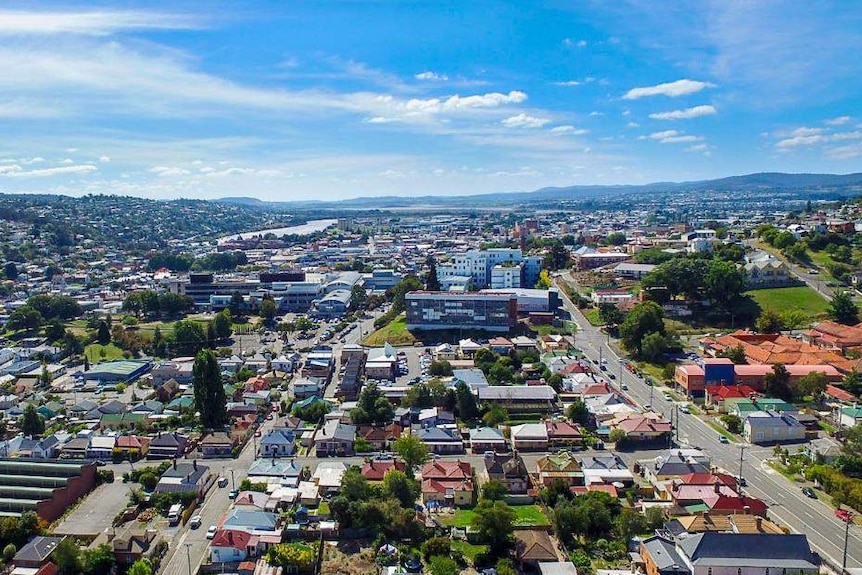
[{"x": 525, "y": 516}]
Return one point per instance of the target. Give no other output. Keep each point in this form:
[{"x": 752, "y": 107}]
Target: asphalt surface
[{"x": 788, "y": 506}]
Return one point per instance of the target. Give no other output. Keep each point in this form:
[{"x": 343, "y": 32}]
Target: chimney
[
  {"x": 195, "y": 464},
  {"x": 718, "y": 486},
  {"x": 758, "y": 521},
  {"x": 175, "y": 462}
]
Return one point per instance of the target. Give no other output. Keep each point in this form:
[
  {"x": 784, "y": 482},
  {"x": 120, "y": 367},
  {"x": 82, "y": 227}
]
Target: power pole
[
  {"x": 188, "y": 558},
  {"x": 741, "y": 453},
  {"x": 846, "y": 537},
  {"x": 232, "y": 480}
]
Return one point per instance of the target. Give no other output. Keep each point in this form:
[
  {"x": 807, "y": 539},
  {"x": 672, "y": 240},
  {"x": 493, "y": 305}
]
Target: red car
[{"x": 843, "y": 515}]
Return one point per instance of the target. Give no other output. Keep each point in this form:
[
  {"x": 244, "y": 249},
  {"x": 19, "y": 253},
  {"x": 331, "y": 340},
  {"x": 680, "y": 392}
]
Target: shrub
[{"x": 148, "y": 481}]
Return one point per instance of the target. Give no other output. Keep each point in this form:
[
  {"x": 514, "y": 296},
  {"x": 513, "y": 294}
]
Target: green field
[
  {"x": 395, "y": 332},
  {"x": 94, "y": 352},
  {"x": 803, "y": 299},
  {"x": 525, "y": 516},
  {"x": 592, "y": 315}
]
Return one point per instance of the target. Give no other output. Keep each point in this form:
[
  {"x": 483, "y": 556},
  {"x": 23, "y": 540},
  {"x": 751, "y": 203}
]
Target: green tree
[
  {"x": 644, "y": 318},
  {"x": 100, "y": 560},
  {"x": 443, "y": 565},
  {"x": 354, "y": 485},
  {"x": 9, "y": 552},
  {"x": 140, "y": 567},
  {"x": 436, "y": 546},
  {"x": 733, "y": 423},
  {"x": 405, "y": 490},
  {"x": 372, "y": 406},
  {"x": 616, "y": 238},
  {"x": 769, "y": 322},
  {"x": 431, "y": 281},
  {"x": 558, "y": 257},
  {"x": 852, "y": 382},
  {"x": 617, "y": 436},
  {"x": 506, "y": 567},
  {"x": 494, "y": 521},
  {"x": 494, "y": 490},
  {"x": 358, "y": 297},
  {"x": 630, "y": 523},
  {"x": 25, "y": 317},
  {"x": 852, "y": 446},
  {"x": 412, "y": 451},
  {"x": 610, "y": 314},
  {"x": 103, "y": 335},
  {"x": 209, "y": 391},
  {"x": 222, "y": 324},
  {"x": 10, "y": 271},
  {"x": 67, "y": 557},
  {"x": 291, "y": 557},
  {"x": 237, "y": 303},
  {"x": 440, "y": 368},
  {"x": 735, "y": 354},
  {"x": 724, "y": 283},
  {"x": 496, "y": 415},
  {"x": 148, "y": 480},
  {"x": 405, "y": 286},
  {"x": 811, "y": 384},
  {"x": 268, "y": 309},
  {"x": 55, "y": 331},
  {"x": 32, "y": 423},
  {"x": 653, "y": 345},
  {"x": 843, "y": 309},
  {"x": 778, "y": 383},
  {"x": 578, "y": 413},
  {"x": 465, "y": 402},
  {"x": 188, "y": 338}
]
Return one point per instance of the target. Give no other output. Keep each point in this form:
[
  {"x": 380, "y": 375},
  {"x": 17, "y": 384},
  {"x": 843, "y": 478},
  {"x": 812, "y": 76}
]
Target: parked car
[
  {"x": 723, "y": 439},
  {"x": 195, "y": 521},
  {"x": 233, "y": 494},
  {"x": 808, "y": 492},
  {"x": 843, "y": 515}
]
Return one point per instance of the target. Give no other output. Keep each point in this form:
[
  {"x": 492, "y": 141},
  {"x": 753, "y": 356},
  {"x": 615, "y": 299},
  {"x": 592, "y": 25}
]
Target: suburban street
[{"x": 787, "y": 503}]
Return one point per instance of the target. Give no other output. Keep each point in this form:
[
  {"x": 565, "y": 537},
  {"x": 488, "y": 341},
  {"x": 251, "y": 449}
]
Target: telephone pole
[{"x": 741, "y": 453}]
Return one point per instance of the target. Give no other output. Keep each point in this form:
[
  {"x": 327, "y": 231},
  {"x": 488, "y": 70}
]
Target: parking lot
[{"x": 95, "y": 513}]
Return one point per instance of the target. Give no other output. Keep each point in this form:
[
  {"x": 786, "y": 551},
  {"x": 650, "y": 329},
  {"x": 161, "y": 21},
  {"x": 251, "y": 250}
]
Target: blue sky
[{"x": 287, "y": 100}]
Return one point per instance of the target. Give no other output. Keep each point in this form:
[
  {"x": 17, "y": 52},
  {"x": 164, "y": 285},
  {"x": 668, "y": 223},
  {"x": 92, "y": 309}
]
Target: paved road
[{"x": 787, "y": 504}]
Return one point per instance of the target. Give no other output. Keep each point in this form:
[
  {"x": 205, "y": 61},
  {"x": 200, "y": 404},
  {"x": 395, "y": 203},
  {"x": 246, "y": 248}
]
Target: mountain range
[{"x": 771, "y": 181}]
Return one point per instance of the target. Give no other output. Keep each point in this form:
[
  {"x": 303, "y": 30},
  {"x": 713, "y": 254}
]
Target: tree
[
  {"x": 778, "y": 383},
  {"x": 292, "y": 557},
  {"x": 494, "y": 490},
  {"x": 616, "y": 238},
  {"x": 440, "y": 368},
  {"x": 431, "y": 281},
  {"x": 436, "y": 546},
  {"x": 148, "y": 480},
  {"x": 32, "y": 423},
  {"x": 465, "y": 403},
  {"x": 45, "y": 378},
  {"x": 852, "y": 382},
  {"x": 578, "y": 413},
  {"x": 853, "y": 442},
  {"x": 813, "y": 384},
  {"x": 100, "y": 560},
  {"x": 372, "y": 406},
  {"x": 354, "y": 485},
  {"x": 769, "y": 322},
  {"x": 558, "y": 257},
  {"x": 495, "y": 416},
  {"x": 237, "y": 303},
  {"x": 268, "y": 309},
  {"x": 617, "y": 436},
  {"x": 494, "y": 521},
  {"x": 544, "y": 281},
  {"x": 610, "y": 314},
  {"x": 733, "y": 423},
  {"x": 140, "y": 567},
  {"x": 222, "y": 324},
  {"x": 443, "y": 565},
  {"x": 843, "y": 309},
  {"x": 103, "y": 335},
  {"x": 405, "y": 490},
  {"x": 55, "y": 331},
  {"x": 506, "y": 567},
  {"x": 724, "y": 283},
  {"x": 25, "y": 317},
  {"x": 629, "y": 524},
  {"x": 10, "y": 271},
  {"x": 358, "y": 296},
  {"x": 67, "y": 557},
  {"x": 209, "y": 392},
  {"x": 313, "y": 412},
  {"x": 654, "y": 517},
  {"x": 418, "y": 396},
  {"x": 9, "y": 552},
  {"x": 735, "y": 354},
  {"x": 188, "y": 338},
  {"x": 653, "y": 345},
  {"x": 644, "y": 318},
  {"x": 412, "y": 451}
]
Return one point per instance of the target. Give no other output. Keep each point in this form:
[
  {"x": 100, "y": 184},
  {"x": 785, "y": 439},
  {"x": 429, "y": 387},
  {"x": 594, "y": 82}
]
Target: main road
[{"x": 788, "y": 505}]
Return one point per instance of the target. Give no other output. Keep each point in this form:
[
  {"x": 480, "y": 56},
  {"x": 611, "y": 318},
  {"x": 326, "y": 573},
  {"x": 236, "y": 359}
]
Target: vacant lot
[
  {"x": 96, "y": 352},
  {"x": 525, "y": 516},
  {"x": 395, "y": 333},
  {"x": 802, "y": 299},
  {"x": 347, "y": 558}
]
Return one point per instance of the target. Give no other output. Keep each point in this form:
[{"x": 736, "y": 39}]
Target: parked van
[{"x": 174, "y": 514}]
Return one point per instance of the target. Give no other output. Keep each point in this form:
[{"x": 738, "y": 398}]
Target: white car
[
  {"x": 195, "y": 521},
  {"x": 211, "y": 532}
]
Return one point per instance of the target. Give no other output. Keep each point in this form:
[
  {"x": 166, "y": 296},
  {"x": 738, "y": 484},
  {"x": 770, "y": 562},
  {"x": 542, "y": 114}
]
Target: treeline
[
  {"x": 150, "y": 303},
  {"x": 183, "y": 262}
]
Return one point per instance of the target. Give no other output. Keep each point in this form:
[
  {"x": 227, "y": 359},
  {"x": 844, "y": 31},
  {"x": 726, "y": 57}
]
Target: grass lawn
[
  {"x": 525, "y": 516},
  {"x": 722, "y": 431},
  {"x": 543, "y": 330},
  {"x": 803, "y": 299},
  {"x": 468, "y": 549},
  {"x": 592, "y": 316},
  {"x": 94, "y": 352},
  {"x": 395, "y": 332}
]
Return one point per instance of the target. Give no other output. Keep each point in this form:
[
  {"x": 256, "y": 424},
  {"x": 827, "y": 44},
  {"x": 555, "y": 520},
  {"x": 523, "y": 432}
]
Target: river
[{"x": 301, "y": 230}]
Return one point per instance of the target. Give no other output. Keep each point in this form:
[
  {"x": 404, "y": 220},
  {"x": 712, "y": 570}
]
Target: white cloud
[
  {"x": 15, "y": 22},
  {"x": 685, "y": 114},
  {"x": 673, "y": 137},
  {"x": 797, "y": 141},
  {"x": 431, "y": 76},
  {"x": 673, "y": 89},
  {"x": 567, "y": 83},
  {"x": 697, "y": 148},
  {"x": 839, "y": 121},
  {"x": 166, "y": 171},
  {"x": 104, "y": 159},
  {"x": 568, "y": 130},
  {"x": 16, "y": 171},
  {"x": 632, "y": 125},
  {"x": 380, "y": 120},
  {"x": 842, "y": 136},
  {"x": 805, "y": 131},
  {"x": 524, "y": 121}
]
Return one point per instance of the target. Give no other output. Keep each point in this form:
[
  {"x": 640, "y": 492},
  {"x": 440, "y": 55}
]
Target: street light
[
  {"x": 741, "y": 453},
  {"x": 232, "y": 481},
  {"x": 188, "y": 557},
  {"x": 847, "y": 518}
]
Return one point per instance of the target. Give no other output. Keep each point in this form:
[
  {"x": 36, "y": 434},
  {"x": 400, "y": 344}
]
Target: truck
[{"x": 174, "y": 513}]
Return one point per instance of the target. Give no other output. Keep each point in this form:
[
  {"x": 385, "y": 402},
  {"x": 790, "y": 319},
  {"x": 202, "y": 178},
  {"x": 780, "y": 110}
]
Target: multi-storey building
[
  {"x": 480, "y": 265},
  {"x": 446, "y": 310}
]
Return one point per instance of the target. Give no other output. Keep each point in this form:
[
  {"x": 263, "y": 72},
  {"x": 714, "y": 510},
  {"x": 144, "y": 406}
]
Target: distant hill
[{"x": 748, "y": 183}]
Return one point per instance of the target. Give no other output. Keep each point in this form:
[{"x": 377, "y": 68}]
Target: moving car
[
  {"x": 233, "y": 494},
  {"x": 195, "y": 521},
  {"x": 808, "y": 492},
  {"x": 211, "y": 532}
]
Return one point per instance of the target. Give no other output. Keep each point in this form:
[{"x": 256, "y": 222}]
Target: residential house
[
  {"x": 519, "y": 398},
  {"x": 448, "y": 482},
  {"x": 101, "y": 447},
  {"x": 748, "y": 553},
  {"x": 484, "y": 439},
  {"x": 328, "y": 475},
  {"x": 473, "y": 377},
  {"x": 334, "y": 438},
  {"x": 533, "y": 547},
  {"x": 167, "y": 446},
  {"x": 217, "y": 445},
  {"x": 562, "y": 466},
  {"x": 849, "y": 416},
  {"x": 563, "y": 434},
  {"x": 278, "y": 442},
  {"x": 379, "y": 438},
  {"x": 285, "y": 472},
  {"x": 185, "y": 478},
  {"x": 132, "y": 446},
  {"x": 770, "y": 427},
  {"x": 440, "y": 440},
  {"x": 605, "y": 469},
  {"x": 660, "y": 557},
  {"x": 509, "y": 469},
  {"x": 646, "y": 427},
  {"x": 375, "y": 470},
  {"x": 529, "y": 437},
  {"x": 37, "y": 552},
  {"x": 135, "y": 543},
  {"x": 232, "y": 545}
]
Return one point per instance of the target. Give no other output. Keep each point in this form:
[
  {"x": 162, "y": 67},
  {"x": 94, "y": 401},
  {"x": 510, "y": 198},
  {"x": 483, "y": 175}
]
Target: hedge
[{"x": 843, "y": 489}]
